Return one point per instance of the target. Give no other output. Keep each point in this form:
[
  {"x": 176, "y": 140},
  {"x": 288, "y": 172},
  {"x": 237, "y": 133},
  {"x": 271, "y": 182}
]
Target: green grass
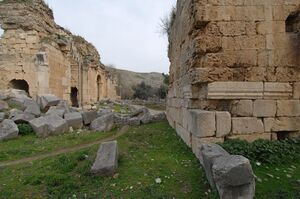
[
  {"x": 30, "y": 145},
  {"x": 145, "y": 153}
]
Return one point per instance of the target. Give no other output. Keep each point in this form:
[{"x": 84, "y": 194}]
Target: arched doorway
[
  {"x": 292, "y": 23},
  {"x": 19, "y": 84},
  {"x": 74, "y": 97},
  {"x": 98, "y": 87}
]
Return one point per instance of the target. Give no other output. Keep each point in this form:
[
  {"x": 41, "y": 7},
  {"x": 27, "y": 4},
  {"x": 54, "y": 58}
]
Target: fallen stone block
[
  {"x": 159, "y": 117},
  {"x": 53, "y": 110},
  {"x": 64, "y": 105},
  {"x": 89, "y": 116},
  {"x": 106, "y": 162},
  {"x": 46, "y": 101},
  {"x": 209, "y": 153},
  {"x": 3, "y": 105},
  {"x": 103, "y": 123},
  {"x": 2, "y": 116},
  {"x": 74, "y": 120},
  {"x": 146, "y": 118},
  {"x": 23, "y": 118},
  {"x": 17, "y": 103},
  {"x": 134, "y": 121},
  {"x": 57, "y": 125},
  {"x": 40, "y": 127},
  {"x": 234, "y": 177},
  {"x": 8, "y": 130},
  {"x": 32, "y": 108},
  {"x": 14, "y": 112}
]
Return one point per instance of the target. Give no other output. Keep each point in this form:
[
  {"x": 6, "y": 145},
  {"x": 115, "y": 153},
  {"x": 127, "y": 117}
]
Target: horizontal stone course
[{"x": 247, "y": 125}]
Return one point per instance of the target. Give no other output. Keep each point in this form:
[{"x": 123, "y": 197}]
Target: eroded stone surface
[
  {"x": 8, "y": 130},
  {"x": 106, "y": 162}
]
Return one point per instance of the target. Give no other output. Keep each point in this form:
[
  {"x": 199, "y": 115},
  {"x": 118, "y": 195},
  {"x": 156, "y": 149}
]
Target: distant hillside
[{"x": 127, "y": 79}]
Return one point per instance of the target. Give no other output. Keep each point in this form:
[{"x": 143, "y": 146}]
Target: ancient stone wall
[
  {"x": 47, "y": 58},
  {"x": 235, "y": 70}
]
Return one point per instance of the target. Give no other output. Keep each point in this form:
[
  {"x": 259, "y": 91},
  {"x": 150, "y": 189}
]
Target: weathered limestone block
[
  {"x": 159, "y": 117},
  {"x": 57, "y": 125},
  {"x": 103, "y": 123},
  {"x": 33, "y": 109},
  {"x": 2, "y": 116},
  {"x": 242, "y": 108},
  {"x": 3, "y": 105},
  {"x": 264, "y": 108},
  {"x": 296, "y": 93},
  {"x": 40, "y": 127},
  {"x": 274, "y": 90},
  {"x": 202, "y": 123},
  {"x": 23, "y": 118},
  {"x": 8, "y": 130},
  {"x": 106, "y": 162},
  {"x": 234, "y": 177},
  {"x": 252, "y": 137},
  {"x": 223, "y": 123},
  {"x": 289, "y": 108},
  {"x": 209, "y": 153},
  {"x": 74, "y": 120},
  {"x": 198, "y": 142},
  {"x": 235, "y": 90},
  {"x": 285, "y": 124},
  {"x": 184, "y": 134},
  {"x": 14, "y": 112},
  {"x": 89, "y": 116},
  {"x": 17, "y": 102},
  {"x": 53, "y": 110},
  {"x": 45, "y": 101},
  {"x": 268, "y": 124},
  {"x": 247, "y": 125},
  {"x": 134, "y": 121}
]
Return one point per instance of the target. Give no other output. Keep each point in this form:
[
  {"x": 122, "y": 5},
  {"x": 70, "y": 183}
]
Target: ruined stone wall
[
  {"x": 49, "y": 58},
  {"x": 235, "y": 70}
]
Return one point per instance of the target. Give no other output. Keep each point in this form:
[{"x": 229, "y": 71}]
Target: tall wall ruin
[
  {"x": 235, "y": 70},
  {"x": 37, "y": 54}
]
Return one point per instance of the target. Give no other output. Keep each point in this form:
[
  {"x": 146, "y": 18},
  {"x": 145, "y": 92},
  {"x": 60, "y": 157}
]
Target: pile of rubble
[{"x": 49, "y": 115}]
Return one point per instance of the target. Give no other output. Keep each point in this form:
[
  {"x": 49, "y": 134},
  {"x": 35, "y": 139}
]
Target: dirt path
[{"x": 121, "y": 132}]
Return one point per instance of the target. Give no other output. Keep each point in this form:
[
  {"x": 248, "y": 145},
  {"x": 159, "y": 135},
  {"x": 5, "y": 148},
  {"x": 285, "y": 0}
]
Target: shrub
[
  {"x": 25, "y": 129},
  {"x": 162, "y": 92},
  {"x": 143, "y": 91},
  {"x": 265, "y": 151}
]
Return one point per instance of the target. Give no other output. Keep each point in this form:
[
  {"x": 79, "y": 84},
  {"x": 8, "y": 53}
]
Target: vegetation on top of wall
[
  {"x": 265, "y": 151},
  {"x": 167, "y": 22}
]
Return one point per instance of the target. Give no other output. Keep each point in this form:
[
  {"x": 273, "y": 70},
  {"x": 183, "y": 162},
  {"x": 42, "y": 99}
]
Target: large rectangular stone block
[
  {"x": 235, "y": 90},
  {"x": 202, "y": 123},
  {"x": 247, "y": 125},
  {"x": 242, "y": 108},
  {"x": 223, "y": 123},
  {"x": 286, "y": 124},
  {"x": 273, "y": 90},
  {"x": 184, "y": 134},
  {"x": 289, "y": 108},
  {"x": 264, "y": 108}
]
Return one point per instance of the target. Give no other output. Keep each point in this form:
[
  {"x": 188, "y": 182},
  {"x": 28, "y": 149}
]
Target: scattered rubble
[{"x": 49, "y": 115}]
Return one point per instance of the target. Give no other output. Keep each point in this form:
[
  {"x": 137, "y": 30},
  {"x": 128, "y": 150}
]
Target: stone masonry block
[
  {"x": 223, "y": 123},
  {"x": 247, "y": 125},
  {"x": 289, "y": 108},
  {"x": 242, "y": 108},
  {"x": 286, "y": 124},
  {"x": 296, "y": 90},
  {"x": 235, "y": 90},
  {"x": 264, "y": 108},
  {"x": 184, "y": 134},
  {"x": 202, "y": 123},
  {"x": 273, "y": 90}
]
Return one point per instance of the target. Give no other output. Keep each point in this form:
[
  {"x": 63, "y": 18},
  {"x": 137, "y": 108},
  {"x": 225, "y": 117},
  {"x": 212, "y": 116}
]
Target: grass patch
[
  {"x": 30, "y": 144},
  {"x": 146, "y": 153}
]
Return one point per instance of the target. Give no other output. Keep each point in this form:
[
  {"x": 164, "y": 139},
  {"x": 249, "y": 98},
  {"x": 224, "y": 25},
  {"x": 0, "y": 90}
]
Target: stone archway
[
  {"x": 19, "y": 84},
  {"x": 292, "y": 23},
  {"x": 98, "y": 87},
  {"x": 74, "y": 97}
]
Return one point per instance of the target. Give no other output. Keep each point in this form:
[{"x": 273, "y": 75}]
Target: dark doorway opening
[
  {"x": 74, "y": 97},
  {"x": 292, "y": 23},
  {"x": 98, "y": 87},
  {"x": 19, "y": 84}
]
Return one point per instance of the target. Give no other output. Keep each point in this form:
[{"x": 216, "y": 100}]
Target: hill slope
[{"x": 127, "y": 79}]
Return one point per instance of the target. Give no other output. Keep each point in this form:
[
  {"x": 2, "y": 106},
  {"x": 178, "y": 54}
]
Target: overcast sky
[{"x": 125, "y": 32}]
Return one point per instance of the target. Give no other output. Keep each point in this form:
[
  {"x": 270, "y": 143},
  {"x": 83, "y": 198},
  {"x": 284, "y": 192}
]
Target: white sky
[{"x": 125, "y": 32}]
